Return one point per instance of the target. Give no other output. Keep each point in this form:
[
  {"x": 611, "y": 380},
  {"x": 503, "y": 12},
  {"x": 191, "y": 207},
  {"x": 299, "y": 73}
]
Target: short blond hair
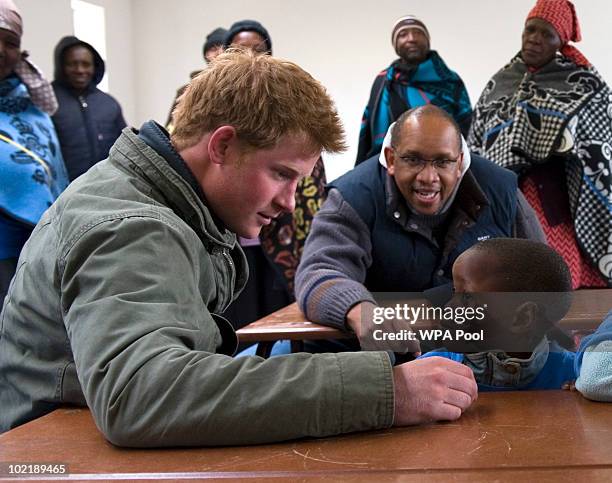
[{"x": 263, "y": 98}]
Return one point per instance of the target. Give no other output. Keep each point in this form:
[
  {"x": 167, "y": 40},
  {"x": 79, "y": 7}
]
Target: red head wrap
[{"x": 561, "y": 14}]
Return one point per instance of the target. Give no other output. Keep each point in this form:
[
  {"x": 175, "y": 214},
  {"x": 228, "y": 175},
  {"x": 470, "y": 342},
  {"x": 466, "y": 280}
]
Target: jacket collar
[
  {"x": 166, "y": 170},
  {"x": 158, "y": 138},
  {"x": 498, "y": 369}
]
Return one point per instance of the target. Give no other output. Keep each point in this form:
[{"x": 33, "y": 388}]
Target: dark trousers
[{"x": 264, "y": 292}]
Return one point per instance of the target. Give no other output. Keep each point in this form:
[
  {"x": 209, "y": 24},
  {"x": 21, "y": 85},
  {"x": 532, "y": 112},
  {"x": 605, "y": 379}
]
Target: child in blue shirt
[{"x": 526, "y": 288}]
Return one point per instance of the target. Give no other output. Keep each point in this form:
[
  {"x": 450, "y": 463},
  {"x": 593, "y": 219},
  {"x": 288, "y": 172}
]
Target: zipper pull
[{"x": 83, "y": 102}]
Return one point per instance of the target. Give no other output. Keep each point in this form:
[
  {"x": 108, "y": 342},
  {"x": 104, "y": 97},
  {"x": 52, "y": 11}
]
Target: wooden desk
[
  {"x": 288, "y": 323},
  {"x": 535, "y": 436},
  {"x": 588, "y": 310}
]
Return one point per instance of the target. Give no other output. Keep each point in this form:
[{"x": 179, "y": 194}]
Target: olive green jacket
[{"x": 112, "y": 307}]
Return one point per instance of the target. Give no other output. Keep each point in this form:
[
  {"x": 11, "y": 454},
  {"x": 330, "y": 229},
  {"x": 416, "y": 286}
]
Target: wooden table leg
[
  {"x": 297, "y": 346},
  {"x": 264, "y": 348}
]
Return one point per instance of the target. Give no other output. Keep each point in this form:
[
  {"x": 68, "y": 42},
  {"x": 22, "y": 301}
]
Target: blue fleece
[{"x": 594, "y": 363}]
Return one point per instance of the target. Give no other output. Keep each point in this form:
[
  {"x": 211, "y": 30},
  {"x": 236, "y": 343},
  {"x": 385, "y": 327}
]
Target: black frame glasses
[{"x": 417, "y": 163}]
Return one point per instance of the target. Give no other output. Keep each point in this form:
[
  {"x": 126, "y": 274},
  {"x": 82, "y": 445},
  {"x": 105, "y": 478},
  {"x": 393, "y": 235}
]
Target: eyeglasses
[{"x": 416, "y": 163}]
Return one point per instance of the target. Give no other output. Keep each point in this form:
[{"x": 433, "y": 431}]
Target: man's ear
[
  {"x": 390, "y": 158},
  {"x": 221, "y": 141},
  {"x": 460, "y": 164},
  {"x": 526, "y": 318}
]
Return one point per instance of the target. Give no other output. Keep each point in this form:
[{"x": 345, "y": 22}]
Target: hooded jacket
[{"x": 87, "y": 124}]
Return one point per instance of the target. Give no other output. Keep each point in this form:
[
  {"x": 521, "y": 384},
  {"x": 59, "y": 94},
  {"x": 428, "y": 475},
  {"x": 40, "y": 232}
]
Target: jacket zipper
[
  {"x": 229, "y": 260},
  {"x": 232, "y": 272}
]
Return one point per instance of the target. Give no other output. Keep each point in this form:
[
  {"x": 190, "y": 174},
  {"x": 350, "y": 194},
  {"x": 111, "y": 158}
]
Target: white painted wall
[
  {"x": 120, "y": 51},
  {"x": 153, "y": 45},
  {"x": 344, "y": 43},
  {"x": 45, "y": 22}
]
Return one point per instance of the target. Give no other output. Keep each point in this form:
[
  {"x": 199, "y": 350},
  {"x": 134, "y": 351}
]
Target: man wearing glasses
[{"x": 398, "y": 221}]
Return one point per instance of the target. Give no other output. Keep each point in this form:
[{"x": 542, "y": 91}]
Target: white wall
[
  {"x": 154, "y": 44},
  {"x": 344, "y": 43},
  {"x": 44, "y": 23},
  {"x": 120, "y": 52}
]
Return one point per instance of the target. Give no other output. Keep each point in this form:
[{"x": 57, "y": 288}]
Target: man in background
[
  {"x": 397, "y": 222},
  {"x": 249, "y": 34},
  {"x": 418, "y": 77},
  {"x": 88, "y": 121}
]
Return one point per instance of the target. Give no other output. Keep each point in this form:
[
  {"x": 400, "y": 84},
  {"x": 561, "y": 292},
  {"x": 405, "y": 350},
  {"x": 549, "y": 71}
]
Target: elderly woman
[
  {"x": 33, "y": 172},
  {"x": 548, "y": 116}
]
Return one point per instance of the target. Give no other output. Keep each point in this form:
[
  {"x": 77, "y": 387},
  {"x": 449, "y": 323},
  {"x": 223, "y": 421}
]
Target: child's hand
[{"x": 569, "y": 386}]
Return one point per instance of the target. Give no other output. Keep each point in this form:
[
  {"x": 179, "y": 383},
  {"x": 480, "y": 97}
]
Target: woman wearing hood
[
  {"x": 88, "y": 120},
  {"x": 33, "y": 172}
]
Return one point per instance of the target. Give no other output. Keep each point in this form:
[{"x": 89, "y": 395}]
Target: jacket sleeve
[
  {"x": 337, "y": 254},
  {"x": 365, "y": 133},
  {"x": 144, "y": 347},
  {"x": 365, "y": 137},
  {"x": 526, "y": 223},
  {"x": 120, "y": 122},
  {"x": 594, "y": 363}
]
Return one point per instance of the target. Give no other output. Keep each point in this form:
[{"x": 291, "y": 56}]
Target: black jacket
[{"x": 87, "y": 125}]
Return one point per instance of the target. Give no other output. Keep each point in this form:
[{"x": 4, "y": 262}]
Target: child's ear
[{"x": 525, "y": 318}]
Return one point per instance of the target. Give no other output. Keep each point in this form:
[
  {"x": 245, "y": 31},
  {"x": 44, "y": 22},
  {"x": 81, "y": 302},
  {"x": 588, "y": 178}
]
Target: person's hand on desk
[
  {"x": 360, "y": 320},
  {"x": 432, "y": 389},
  {"x": 426, "y": 390}
]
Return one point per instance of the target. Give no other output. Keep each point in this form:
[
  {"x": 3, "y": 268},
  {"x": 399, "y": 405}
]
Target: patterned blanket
[
  {"x": 563, "y": 112},
  {"x": 399, "y": 88}
]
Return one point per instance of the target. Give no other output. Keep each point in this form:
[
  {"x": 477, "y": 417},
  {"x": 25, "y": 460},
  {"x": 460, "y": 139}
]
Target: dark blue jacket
[
  {"x": 88, "y": 123},
  {"x": 485, "y": 207}
]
